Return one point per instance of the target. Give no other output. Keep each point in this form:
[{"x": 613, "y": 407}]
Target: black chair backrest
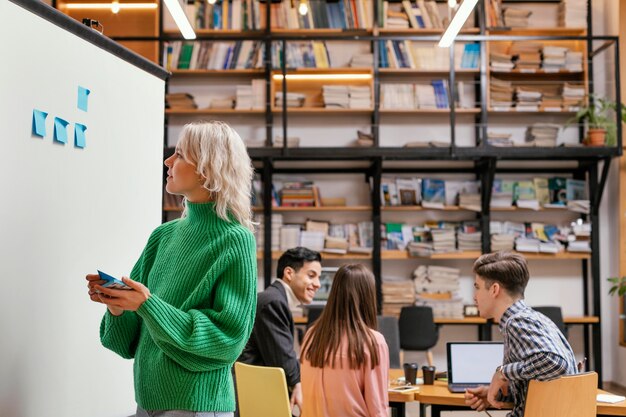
[
  {"x": 388, "y": 326},
  {"x": 418, "y": 330},
  {"x": 554, "y": 313},
  {"x": 313, "y": 313}
]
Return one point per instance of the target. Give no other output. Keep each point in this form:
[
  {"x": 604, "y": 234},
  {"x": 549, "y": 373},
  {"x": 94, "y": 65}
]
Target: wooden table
[{"x": 440, "y": 398}]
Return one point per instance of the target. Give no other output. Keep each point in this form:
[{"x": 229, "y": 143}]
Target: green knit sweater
[{"x": 201, "y": 272}]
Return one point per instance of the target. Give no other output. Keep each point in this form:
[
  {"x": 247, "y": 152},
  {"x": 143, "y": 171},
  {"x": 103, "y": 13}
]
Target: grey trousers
[{"x": 180, "y": 413}]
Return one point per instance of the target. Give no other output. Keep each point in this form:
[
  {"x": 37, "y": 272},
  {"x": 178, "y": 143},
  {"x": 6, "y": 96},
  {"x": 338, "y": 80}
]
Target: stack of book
[
  {"x": 360, "y": 97},
  {"x": 336, "y": 96},
  {"x": 469, "y": 236},
  {"x": 526, "y": 55},
  {"x": 499, "y": 138},
  {"x": 502, "y": 242},
  {"x": 501, "y": 94},
  {"x": 289, "y": 236},
  {"x": 428, "y": 280},
  {"x": 501, "y": 62},
  {"x": 180, "y": 101},
  {"x": 292, "y": 99},
  {"x": 398, "y": 96},
  {"x": 251, "y": 97},
  {"x": 554, "y": 58},
  {"x": 277, "y": 224},
  {"x": 443, "y": 240},
  {"x": 451, "y": 308},
  {"x": 574, "y": 61},
  {"x": 299, "y": 194},
  {"x": 572, "y": 13},
  {"x": 573, "y": 96},
  {"x": 397, "y": 294},
  {"x": 516, "y": 17},
  {"x": 223, "y": 102},
  {"x": 453, "y": 189},
  {"x": 362, "y": 60},
  {"x": 502, "y": 193},
  {"x": 542, "y": 134},
  {"x": 470, "y": 201},
  {"x": 527, "y": 99},
  {"x": 524, "y": 195},
  {"x": 579, "y": 238}
]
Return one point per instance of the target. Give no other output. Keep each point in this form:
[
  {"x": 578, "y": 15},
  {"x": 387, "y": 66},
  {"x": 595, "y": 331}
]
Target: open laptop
[{"x": 471, "y": 364}]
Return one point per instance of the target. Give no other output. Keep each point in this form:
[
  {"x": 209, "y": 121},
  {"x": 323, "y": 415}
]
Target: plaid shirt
[{"x": 534, "y": 348}]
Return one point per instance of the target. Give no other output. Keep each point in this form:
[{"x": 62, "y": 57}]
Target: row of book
[
  {"x": 506, "y": 95},
  {"x": 226, "y": 14},
  {"x": 529, "y": 57},
  {"x": 554, "y": 192},
  {"x": 340, "y": 14},
  {"x": 571, "y": 13},
  {"x": 416, "y": 96},
  {"x": 430, "y": 193},
  {"x": 207, "y": 55},
  {"x": 417, "y": 14},
  {"x": 536, "y": 237},
  {"x": 431, "y": 237},
  {"x": 347, "y": 96},
  {"x": 417, "y": 55},
  {"x": 247, "y": 97}
]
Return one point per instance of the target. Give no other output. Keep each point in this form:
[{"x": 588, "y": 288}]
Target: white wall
[{"x": 67, "y": 211}]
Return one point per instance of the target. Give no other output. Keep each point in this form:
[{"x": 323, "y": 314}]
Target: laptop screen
[{"x": 473, "y": 362}]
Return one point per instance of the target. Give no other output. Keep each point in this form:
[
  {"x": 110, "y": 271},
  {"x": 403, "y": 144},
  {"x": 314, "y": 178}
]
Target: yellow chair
[
  {"x": 262, "y": 391},
  {"x": 567, "y": 396}
]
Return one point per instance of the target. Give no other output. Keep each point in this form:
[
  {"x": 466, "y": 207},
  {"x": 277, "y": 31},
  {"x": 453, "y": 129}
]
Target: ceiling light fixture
[
  {"x": 457, "y": 23},
  {"x": 112, "y": 6},
  {"x": 177, "y": 12}
]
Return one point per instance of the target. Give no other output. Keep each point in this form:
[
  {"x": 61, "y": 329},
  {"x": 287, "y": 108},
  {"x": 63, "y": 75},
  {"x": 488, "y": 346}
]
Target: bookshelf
[{"x": 463, "y": 130}]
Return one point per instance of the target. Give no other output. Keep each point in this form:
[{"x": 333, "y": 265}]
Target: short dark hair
[
  {"x": 295, "y": 258},
  {"x": 508, "y": 269}
]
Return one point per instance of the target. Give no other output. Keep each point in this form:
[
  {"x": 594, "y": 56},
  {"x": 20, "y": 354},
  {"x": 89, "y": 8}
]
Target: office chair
[
  {"x": 313, "y": 313},
  {"x": 418, "y": 330},
  {"x": 567, "y": 396},
  {"x": 388, "y": 326},
  {"x": 554, "y": 313},
  {"x": 261, "y": 391}
]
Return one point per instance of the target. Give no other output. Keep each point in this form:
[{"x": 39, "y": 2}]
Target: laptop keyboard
[{"x": 461, "y": 387}]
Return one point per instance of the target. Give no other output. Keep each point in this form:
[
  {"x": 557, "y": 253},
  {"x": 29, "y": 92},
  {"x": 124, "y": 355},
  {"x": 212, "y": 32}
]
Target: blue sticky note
[
  {"x": 79, "y": 135},
  {"x": 60, "y": 130},
  {"x": 83, "y": 93},
  {"x": 39, "y": 123}
]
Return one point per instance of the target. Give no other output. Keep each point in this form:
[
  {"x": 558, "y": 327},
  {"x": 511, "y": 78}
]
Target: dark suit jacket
[{"x": 271, "y": 342}]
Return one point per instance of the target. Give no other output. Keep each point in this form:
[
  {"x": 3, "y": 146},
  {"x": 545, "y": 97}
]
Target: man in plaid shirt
[{"x": 534, "y": 348}]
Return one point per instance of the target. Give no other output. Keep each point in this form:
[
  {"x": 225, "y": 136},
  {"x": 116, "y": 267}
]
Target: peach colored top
[{"x": 341, "y": 391}]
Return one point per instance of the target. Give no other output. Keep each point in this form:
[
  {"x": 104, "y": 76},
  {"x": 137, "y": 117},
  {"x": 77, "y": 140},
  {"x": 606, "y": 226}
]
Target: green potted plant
[
  {"x": 599, "y": 116},
  {"x": 618, "y": 286}
]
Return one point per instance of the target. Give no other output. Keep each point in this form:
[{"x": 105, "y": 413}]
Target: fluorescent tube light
[
  {"x": 121, "y": 6},
  {"x": 457, "y": 23},
  {"x": 324, "y": 76},
  {"x": 177, "y": 12}
]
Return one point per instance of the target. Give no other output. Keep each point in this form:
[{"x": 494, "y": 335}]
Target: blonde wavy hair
[{"x": 221, "y": 158}]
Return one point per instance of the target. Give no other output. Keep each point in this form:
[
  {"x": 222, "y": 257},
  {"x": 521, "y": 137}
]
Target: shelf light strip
[
  {"x": 177, "y": 12},
  {"x": 95, "y": 6},
  {"x": 457, "y": 23},
  {"x": 278, "y": 77}
]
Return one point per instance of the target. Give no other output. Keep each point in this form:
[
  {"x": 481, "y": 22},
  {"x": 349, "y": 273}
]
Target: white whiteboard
[{"x": 66, "y": 211}]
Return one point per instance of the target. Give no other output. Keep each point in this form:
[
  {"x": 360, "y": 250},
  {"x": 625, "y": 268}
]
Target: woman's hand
[{"x": 117, "y": 300}]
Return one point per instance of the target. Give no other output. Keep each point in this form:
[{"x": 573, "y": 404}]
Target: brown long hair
[{"x": 350, "y": 311}]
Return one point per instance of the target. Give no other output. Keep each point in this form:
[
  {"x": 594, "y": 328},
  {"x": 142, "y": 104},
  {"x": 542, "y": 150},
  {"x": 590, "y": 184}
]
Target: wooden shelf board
[
  {"x": 321, "y": 209},
  {"x": 323, "y": 31},
  {"x": 321, "y": 110},
  {"x": 216, "y": 73},
  {"x": 547, "y": 209},
  {"x": 428, "y": 111},
  {"x": 216, "y": 32},
  {"x": 420, "y": 208},
  {"x": 411, "y": 71},
  {"x": 513, "y": 111},
  {"x": 537, "y": 72},
  {"x": 538, "y": 31},
  {"x": 422, "y": 31},
  {"x": 480, "y": 320},
  {"x": 318, "y": 71},
  {"x": 557, "y": 256},
  {"x": 197, "y": 112}
]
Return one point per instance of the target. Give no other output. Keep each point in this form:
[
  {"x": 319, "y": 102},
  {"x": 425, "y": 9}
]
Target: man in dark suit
[{"x": 271, "y": 342}]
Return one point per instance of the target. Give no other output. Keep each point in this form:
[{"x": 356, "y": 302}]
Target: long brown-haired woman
[{"x": 345, "y": 362}]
